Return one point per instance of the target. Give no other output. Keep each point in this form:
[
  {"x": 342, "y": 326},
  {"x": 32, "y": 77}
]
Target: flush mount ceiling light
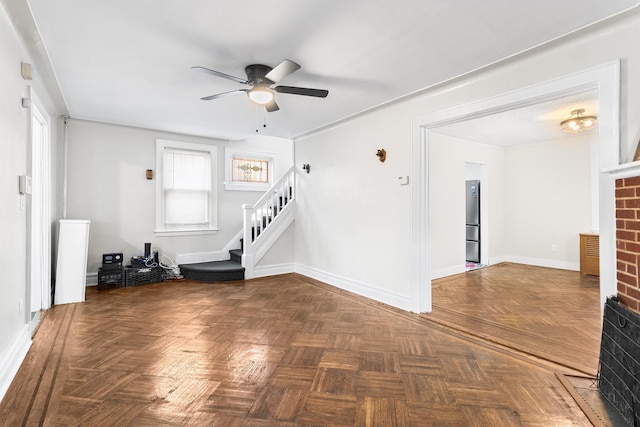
[
  {"x": 260, "y": 95},
  {"x": 578, "y": 122}
]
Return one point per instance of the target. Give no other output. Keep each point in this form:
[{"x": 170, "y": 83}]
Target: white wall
[
  {"x": 353, "y": 217},
  {"x": 538, "y": 195},
  {"x": 107, "y": 185},
  {"x": 14, "y": 142},
  {"x": 447, "y": 160},
  {"x": 356, "y": 221},
  {"x": 548, "y": 201},
  {"x": 13, "y": 162}
]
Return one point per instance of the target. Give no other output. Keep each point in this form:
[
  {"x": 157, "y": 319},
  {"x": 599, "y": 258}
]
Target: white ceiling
[
  {"x": 128, "y": 62},
  {"x": 527, "y": 125}
]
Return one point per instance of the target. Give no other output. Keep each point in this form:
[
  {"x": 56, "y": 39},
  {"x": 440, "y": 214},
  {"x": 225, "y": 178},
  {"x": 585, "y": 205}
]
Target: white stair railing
[{"x": 265, "y": 220}]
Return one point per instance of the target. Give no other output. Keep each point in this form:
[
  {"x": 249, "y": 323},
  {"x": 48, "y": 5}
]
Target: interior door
[{"x": 39, "y": 253}]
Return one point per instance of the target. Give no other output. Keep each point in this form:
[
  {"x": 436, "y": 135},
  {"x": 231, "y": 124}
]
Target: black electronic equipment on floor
[
  {"x": 111, "y": 274},
  {"x": 112, "y": 261}
]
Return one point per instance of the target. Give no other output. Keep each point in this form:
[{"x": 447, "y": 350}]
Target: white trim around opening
[{"x": 606, "y": 79}]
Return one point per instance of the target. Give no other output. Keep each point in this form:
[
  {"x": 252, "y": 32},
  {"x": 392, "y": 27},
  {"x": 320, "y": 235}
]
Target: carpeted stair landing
[
  {"x": 215, "y": 271},
  {"x": 221, "y": 271}
]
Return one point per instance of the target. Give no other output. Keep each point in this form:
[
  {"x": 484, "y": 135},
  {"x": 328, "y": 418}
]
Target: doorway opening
[{"x": 606, "y": 80}]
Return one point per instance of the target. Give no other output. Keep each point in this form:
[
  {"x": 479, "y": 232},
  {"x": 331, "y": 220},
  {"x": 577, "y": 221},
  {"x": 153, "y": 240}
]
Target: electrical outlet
[
  {"x": 20, "y": 308},
  {"x": 554, "y": 248}
]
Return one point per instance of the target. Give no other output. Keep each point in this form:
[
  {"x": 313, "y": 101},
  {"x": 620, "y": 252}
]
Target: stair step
[
  {"x": 213, "y": 271},
  {"x": 236, "y": 255}
]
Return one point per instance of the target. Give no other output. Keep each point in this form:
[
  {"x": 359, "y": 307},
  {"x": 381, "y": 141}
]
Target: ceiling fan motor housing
[{"x": 256, "y": 74}]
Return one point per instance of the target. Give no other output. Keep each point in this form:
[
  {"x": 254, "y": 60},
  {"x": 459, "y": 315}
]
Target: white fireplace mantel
[{"x": 625, "y": 170}]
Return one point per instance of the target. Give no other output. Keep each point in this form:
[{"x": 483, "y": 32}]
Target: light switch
[
  {"x": 24, "y": 184},
  {"x": 403, "y": 180}
]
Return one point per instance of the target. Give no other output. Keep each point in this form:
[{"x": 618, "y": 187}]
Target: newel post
[{"x": 247, "y": 247}]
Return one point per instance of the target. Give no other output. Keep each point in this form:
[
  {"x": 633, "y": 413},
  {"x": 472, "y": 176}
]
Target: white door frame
[
  {"x": 606, "y": 79},
  {"x": 39, "y": 208}
]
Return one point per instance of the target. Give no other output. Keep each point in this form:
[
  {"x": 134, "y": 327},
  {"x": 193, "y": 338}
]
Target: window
[
  {"x": 249, "y": 171},
  {"x": 185, "y": 188}
]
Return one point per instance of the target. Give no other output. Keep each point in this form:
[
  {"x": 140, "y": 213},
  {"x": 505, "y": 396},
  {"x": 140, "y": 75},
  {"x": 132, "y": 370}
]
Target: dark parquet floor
[
  {"x": 550, "y": 313},
  {"x": 277, "y": 351}
]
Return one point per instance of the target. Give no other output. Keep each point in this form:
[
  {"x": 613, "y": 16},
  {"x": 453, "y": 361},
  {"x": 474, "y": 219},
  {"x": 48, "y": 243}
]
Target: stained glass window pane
[{"x": 249, "y": 170}]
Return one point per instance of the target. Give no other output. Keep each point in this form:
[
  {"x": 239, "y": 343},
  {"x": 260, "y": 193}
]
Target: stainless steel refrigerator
[{"x": 473, "y": 220}]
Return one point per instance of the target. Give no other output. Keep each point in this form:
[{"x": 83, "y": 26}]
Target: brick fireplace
[
  {"x": 619, "y": 373},
  {"x": 628, "y": 241}
]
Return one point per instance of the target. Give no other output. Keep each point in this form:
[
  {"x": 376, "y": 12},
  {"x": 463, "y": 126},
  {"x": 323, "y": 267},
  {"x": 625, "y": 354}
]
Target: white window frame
[
  {"x": 161, "y": 229},
  {"x": 230, "y": 153}
]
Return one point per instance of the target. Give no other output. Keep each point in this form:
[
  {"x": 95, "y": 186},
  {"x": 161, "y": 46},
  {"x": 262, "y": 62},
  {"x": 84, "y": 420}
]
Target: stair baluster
[{"x": 263, "y": 216}]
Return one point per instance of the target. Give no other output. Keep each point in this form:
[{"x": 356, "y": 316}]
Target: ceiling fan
[{"x": 260, "y": 78}]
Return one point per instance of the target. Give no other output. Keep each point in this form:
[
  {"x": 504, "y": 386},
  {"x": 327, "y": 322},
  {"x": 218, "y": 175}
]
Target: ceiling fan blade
[
  {"x": 282, "y": 70},
  {"x": 220, "y": 95},
  {"x": 219, "y": 74},
  {"x": 319, "y": 93},
  {"x": 271, "y": 106}
]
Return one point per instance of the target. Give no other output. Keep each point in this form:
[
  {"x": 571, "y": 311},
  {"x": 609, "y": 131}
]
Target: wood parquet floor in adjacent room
[
  {"x": 550, "y": 313},
  {"x": 277, "y": 351}
]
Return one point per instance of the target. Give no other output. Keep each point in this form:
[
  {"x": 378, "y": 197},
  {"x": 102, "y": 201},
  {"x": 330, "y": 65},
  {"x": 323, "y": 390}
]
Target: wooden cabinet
[{"x": 589, "y": 254}]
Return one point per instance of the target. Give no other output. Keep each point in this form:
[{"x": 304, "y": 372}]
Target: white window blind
[{"x": 187, "y": 187}]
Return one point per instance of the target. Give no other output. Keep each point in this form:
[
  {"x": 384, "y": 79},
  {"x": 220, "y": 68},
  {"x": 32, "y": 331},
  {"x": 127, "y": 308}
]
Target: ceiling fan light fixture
[
  {"x": 260, "y": 77},
  {"x": 260, "y": 95},
  {"x": 578, "y": 122}
]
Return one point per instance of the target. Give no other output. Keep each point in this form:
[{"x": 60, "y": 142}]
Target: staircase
[{"x": 263, "y": 223}]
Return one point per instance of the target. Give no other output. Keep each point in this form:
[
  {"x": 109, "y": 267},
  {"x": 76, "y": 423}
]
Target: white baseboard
[
  {"x": 448, "y": 271},
  {"x": 221, "y": 255},
  {"x": 541, "y": 262},
  {"x": 13, "y": 358},
  {"x": 34, "y": 323},
  {"x": 393, "y": 299},
  {"x": 193, "y": 258},
  {"x": 538, "y": 262},
  {"x": 498, "y": 259},
  {"x": 92, "y": 279},
  {"x": 274, "y": 270}
]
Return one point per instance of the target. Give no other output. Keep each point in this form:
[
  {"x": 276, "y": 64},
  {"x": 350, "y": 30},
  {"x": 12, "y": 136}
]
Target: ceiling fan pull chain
[{"x": 264, "y": 118}]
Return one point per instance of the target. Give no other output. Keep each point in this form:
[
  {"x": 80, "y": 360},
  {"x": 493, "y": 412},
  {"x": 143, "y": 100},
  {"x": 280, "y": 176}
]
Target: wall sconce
[
  {"x": 382, "y": 154},
  {"x": 306, "y": 167},
  {"x": 149, "y": 174}
]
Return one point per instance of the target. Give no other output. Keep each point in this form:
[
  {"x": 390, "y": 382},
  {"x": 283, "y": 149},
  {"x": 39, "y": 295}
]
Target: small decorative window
[
  {"x": 244, "y": 170},
  {"x": 248, "y": 171}
]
